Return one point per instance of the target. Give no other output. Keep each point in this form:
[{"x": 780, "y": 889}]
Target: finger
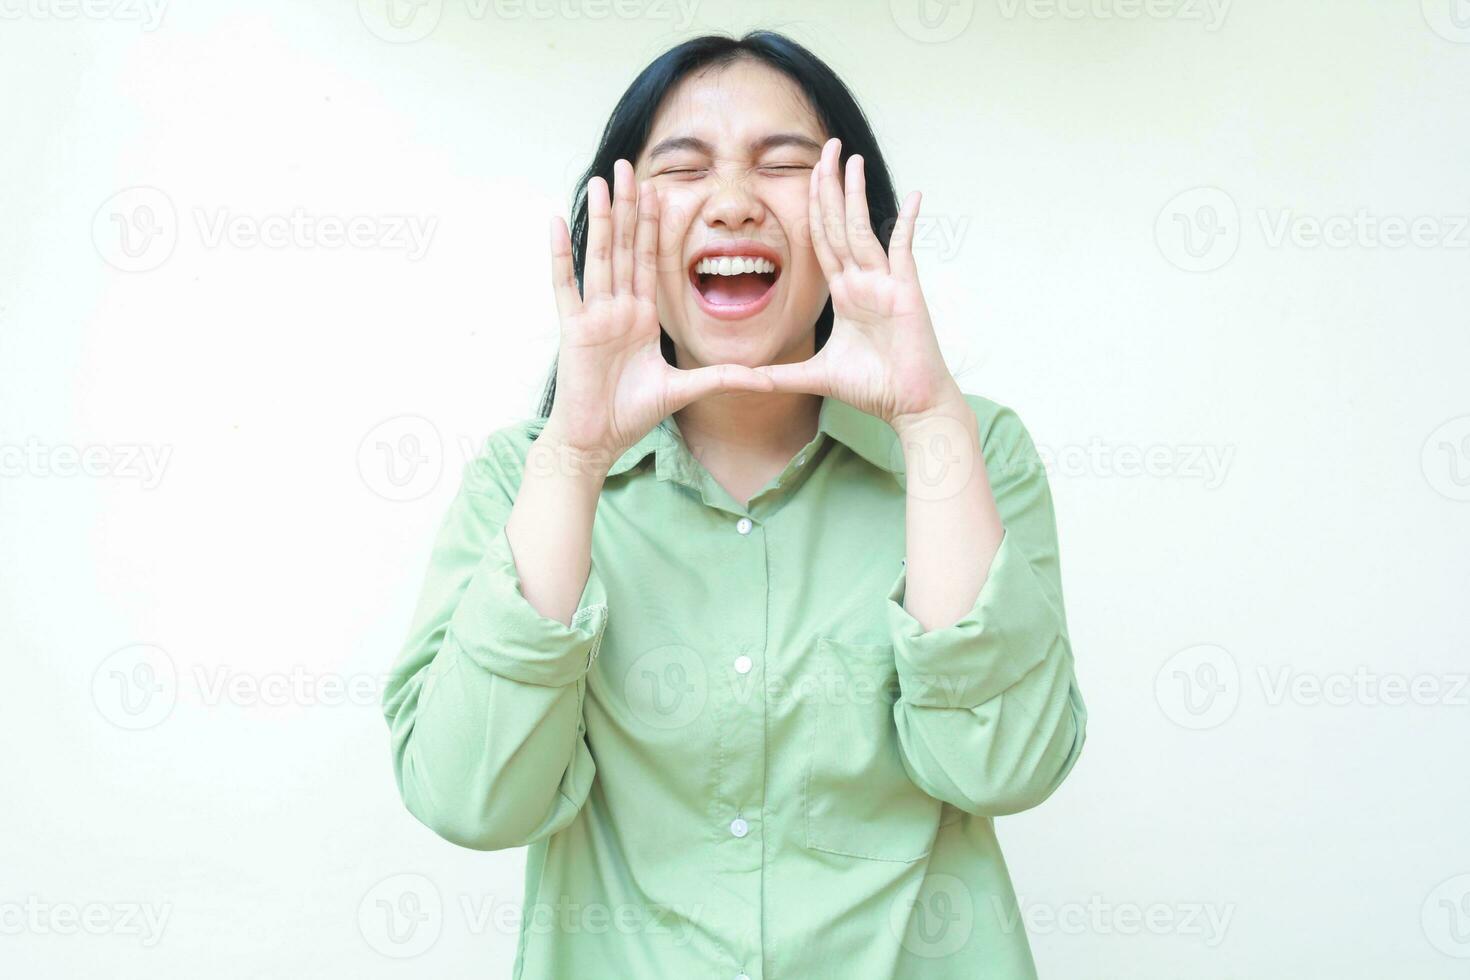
[
  {"x": 816, "y": 223},
  {"x": 806, "y": 376},
  {"x": 645, "y": 249},
  {"x": 901, "y": 243},
  {"x": 563, "y": 275},
  {"x": 867, "y": 251},
  {"x": 685, "y": 386},
  {"x": 834, "y": 219},
  {"x": 597, "y": 272},
  {"x": 624, "y": 221}
]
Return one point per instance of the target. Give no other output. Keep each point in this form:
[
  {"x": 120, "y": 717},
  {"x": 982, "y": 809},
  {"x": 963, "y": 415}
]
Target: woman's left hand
[{"x": 882, "y": 356}]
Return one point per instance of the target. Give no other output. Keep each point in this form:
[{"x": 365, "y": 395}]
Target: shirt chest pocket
[{"x": 859, "y": 799}]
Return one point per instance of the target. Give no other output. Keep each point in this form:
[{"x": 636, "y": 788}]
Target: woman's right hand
[{"x": 612, "y": 382}]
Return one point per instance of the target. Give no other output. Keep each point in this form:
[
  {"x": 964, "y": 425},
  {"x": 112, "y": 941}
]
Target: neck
[{"x": 761, "y": 425}]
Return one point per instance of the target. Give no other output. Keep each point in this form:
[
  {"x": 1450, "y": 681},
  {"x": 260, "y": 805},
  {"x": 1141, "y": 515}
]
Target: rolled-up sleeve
[
  {"x": 484, "y": 702},
  {"x": 989, "y": 717}
]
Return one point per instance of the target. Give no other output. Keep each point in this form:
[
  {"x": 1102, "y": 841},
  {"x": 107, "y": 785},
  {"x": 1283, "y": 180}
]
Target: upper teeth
[{"x": 732, "y": 265}]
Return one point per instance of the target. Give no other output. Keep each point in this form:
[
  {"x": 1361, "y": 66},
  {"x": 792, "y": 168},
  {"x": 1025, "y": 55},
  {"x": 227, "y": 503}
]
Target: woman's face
[{"x": 731, "y": 153}]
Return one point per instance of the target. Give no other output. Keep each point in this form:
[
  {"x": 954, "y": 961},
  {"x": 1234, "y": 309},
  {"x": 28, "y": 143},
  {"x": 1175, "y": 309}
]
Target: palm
[
  {"x": 882, "y": 356},
  {"x": 610, "y": 370},
  {"x": 612, "y": 382}
]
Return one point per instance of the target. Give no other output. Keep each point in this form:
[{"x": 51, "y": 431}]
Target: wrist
[
  {"x": 943, "y": 411},
  {"x": 553, "y": 454},
  {"x": 941, "y": 450}
]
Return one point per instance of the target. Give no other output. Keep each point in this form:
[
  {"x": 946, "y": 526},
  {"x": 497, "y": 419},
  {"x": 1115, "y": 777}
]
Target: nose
[{"x": 732, "y": 203}]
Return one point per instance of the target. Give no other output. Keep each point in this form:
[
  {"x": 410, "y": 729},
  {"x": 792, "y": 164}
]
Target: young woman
[{"x": 755, "y": 628}]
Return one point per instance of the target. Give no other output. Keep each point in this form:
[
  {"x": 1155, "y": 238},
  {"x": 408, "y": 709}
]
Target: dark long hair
[{"x": 627, "y": 131}]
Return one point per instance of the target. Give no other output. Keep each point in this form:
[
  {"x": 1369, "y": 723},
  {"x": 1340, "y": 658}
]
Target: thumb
[
  {"x": 685, "y": 386},
  {"x": 802, "y": 376}
]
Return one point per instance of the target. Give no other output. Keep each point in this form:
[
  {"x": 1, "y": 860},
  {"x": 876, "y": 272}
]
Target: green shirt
[{"x": 744, "y": 758}]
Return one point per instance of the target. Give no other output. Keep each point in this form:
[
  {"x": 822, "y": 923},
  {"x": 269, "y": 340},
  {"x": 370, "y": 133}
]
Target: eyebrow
[{"x": 675, "y": 143}]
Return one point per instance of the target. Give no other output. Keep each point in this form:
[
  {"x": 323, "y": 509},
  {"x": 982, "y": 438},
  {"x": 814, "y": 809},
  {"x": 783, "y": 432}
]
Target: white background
[{"x": 1260, "y": 439}]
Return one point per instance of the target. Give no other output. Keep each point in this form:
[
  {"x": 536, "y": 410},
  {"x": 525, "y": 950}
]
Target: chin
[{"x": 714, "y": 342}]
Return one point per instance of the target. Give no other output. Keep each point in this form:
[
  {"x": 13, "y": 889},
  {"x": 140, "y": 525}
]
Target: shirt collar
[{"x": 868, "y": 436}]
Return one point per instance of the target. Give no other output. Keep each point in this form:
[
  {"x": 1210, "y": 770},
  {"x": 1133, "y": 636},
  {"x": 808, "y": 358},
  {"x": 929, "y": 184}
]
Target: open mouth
[{"x": 734, "y": 286}]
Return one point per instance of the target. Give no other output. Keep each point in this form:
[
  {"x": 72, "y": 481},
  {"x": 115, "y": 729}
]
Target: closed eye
[{"x": 787, "y": 167}]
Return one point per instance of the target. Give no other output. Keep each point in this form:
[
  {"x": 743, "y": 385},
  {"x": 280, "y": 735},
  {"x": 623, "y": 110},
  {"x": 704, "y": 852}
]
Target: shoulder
[{"x": 501, "y": 459}]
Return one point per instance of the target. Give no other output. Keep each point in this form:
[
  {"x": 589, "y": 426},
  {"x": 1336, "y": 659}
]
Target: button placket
[{"x": 740, "y": 765}]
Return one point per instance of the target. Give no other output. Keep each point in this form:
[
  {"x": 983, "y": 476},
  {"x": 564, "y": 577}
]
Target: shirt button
[
  {"x": 743, "y": 525},
  {"x": 743, "y": 664},
  {"x": 739, "y": 827}
]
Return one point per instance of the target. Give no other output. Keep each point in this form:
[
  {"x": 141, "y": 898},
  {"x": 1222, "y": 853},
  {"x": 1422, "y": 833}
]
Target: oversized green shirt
[{"x": 744, "y": 758}]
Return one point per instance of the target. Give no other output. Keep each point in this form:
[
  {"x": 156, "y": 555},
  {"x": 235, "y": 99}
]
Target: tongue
[{"x": 734, "y": 290}]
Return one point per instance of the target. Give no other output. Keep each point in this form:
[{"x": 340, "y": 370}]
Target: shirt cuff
[
  {"x": 1007, "y": 632},
  {"x": 499, "y": 629}
]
